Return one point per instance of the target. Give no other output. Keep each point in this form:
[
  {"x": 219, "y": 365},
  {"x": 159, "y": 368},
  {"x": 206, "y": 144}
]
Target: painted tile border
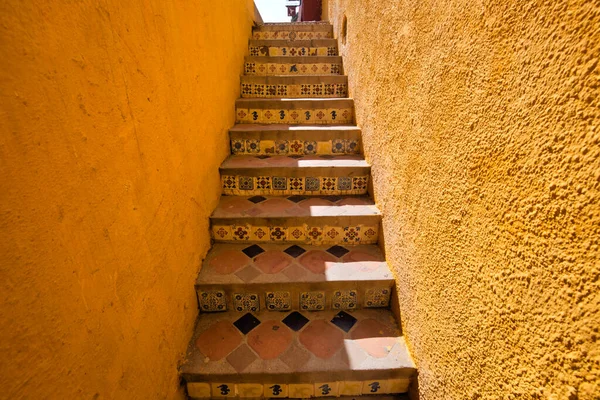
[
  {"x": 294, "y": 116},
  {"x": 238, "y": 185},
  {"x": 260, "y": 90},
  {"x": 347, "y": 235},
  {"x": 295, "y": 51},
  {"x": 266, "y": 69},
  {"x": 291, "y": 35},
  {"x": 294, "y": 147},
  {"x": 202, "y": 390}
]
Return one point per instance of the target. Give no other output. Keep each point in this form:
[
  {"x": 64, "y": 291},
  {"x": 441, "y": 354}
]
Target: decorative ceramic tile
[
  {"x": 352, "y": 146},
  {"x": 350, "y": 388},
  {"x": 259, "y": 233},
  {"x": 328, "y": 184},
  {"x": 246, "y": 183},
  {"x": 281, "y": 90},
  {"x": 246, "y": 302},
  {"x": 325, "y": 389},
  {"x": 310, "y": 147},
  {"x": 352, "y": 234},
  {"x": 360, "y": 182},
  {"x": 278, "y": 233},
  {"x": 398, "y": 385},
  {"x": 297, "y": 147},
  {"x": 221, "y": 232},
  {"x": 223, "y": 390},
  {"x": 344, "y": 300},
  {"x": 312, "y": 301},
  {"x": 312, "y": 184},
  {"x": 332, "y": 233},
  {"x": 253, "y": 146},
  {"x": 240, "y": 233},
  {"x": 250, "y": 68},
  {"x": 301, "y": 390},
  {"x": 314, "y": 234},
  {"x": 237, "y": 146},
  {"x": 278, "y": 301},
  {"x": 344, "y": 183},
  {"x": 211, "y": 301},
  {"x": 295, "y": 321},
  {"x": 250, "y": 390},
  {"x": 275, "y": 390},
  {"x": 263, "y": 182},
  {"x": 199, "y": 390},
  {"x": 344, "y": 321},
  {"x": 282, "y": 147},
  {"x": 279, "y": 183},
  {"x": 229, "y": 182},
  {"x": 296, "y": 233},
  {"x": 379, "y": 297},
  {"x": 246, "y": 323},
  {"x": 369, "y": 233},
  {"x": 338, "y": 146},
  {"x": 375, "y": 387},
  {"x": 332, "y": 51},
  {"x": 253, "y": 251},
  {"x": 296, "y": 184}
]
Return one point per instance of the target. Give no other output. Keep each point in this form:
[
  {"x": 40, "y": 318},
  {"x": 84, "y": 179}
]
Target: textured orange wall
[
  {"x": 482, "y": 122},
  {"x": 113, "y": 123}
]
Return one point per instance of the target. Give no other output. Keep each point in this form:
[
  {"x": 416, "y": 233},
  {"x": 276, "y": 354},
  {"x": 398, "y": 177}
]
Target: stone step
[
  {"x": 321, "y": 221},
  {"x": 255, "y": 139},
  {"x": 306, "y": 65},
  {"x": 294, "y": 86},
  {"x": 294, "y": 175},
  {"x": 297, "y": 355},
  {"x": 294, "y": 31},
  {"x": 248, "y": 278},
  {"x": 315, "y": 47},
  {"x": 295, "y": 111}
]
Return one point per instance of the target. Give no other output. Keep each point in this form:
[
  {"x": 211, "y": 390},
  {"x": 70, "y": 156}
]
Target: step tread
[
  {"x": 296, "y": 206},
  {"x": 296, "y": 162},
  {"x": 293, "y": 264},
  {"x": 295, "y": 128},
  {"x": 372, "y": 347}
]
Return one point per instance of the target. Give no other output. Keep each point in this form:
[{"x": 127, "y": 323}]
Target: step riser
[
  {"x": 245, "y": 298},
  {"x": 203, "y": 390},
  {"x": 291, "y": 35},
  {"x": 292, "y": 51},
  {"x": 346, "y": 231},
  {"x": 266, "y": 68},
  {"x": 318, "y": 90},
  {"x": 328, "y": 185},
  {"x": 241, "y": 144},
  {"x": 294, "y": 116}
]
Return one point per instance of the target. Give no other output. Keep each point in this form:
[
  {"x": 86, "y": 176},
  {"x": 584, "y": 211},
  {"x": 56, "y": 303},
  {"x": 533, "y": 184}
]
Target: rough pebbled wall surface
[
  {"x": 482, "y": 122},
  {"x": 113, "y": 121}
]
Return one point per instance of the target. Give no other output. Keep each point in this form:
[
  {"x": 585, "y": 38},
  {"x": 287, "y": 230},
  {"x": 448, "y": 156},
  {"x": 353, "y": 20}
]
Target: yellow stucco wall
[
  {"x": 113, "y": 121},
  {"x": 482, "y": 122}
]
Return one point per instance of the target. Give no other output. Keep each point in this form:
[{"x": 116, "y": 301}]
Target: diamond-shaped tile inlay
[
  {"x": 295, "y": 321},
  {"x": 294, "y": 251},
  {"x": 295, "y": 357},
  {"x": 245, "y": 302},
  {"x": 253, "y": 251},
  {"x": 337, "y": 251},
  {"x": 378, "y": 297},
  {"x": 247, "y": 274},
  {"x": 344, "y": 321},
  {"x": 257, "y": 199},
  {"x": 278, "y": 301},
  {"x": 246, "y": 323},
  {"x": 296, "y": 199},
  {"x": 312, "y": 301},
  {"x": 344, "y": 299},
  {"x": 241, "y": 358},
  {"x": 211, "y": 301}
]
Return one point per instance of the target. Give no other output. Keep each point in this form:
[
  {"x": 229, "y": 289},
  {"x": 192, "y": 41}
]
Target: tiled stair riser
[
  {"x": 296, "y": 296},
  {"x": 234, "y": 185},
  {"x": 318, "y": 90},
  {"x": 269, "y": 67},
  {"x": 309, "y": 234},
  {"x": 337, "y": 146},
  {"x": 292, "y": 51},
  {"x": 201, "y": 390},
  {"x": 291, "y": 35},
  {"x": 293, "y": 116}
]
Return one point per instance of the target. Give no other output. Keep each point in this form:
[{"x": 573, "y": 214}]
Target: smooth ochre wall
[
  {"x": 113, "y": 122},
  {"x": 482, "y": 122}
]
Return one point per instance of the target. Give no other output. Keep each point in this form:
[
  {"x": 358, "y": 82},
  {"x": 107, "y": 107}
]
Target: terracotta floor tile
[
  {"x": 307, "y": 204},
  {"x": 229, "y": 261},
  {"x": 362, "y": 261},
  {"x": 272, "y": 262},
  {"x": 241, "y": 358},
  {"x": 277, "y": 205},
  {"x": 374, "y": 337},
  {"x": 316, "y": 261},
  {"x": 295, "y": 357},
  {"x": 219, "y": 340},
  {"x": 322, "y": 338},
  {"x": 270, "y": 339},
  {"x": 235, "y": 205}
]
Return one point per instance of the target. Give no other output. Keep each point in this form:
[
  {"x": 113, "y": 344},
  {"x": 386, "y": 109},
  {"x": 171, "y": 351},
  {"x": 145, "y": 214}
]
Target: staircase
[{"x": 294, "y": 296}]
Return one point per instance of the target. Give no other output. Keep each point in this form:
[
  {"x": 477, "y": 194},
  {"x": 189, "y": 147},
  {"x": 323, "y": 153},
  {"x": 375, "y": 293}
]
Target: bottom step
[{"x": 297, "y": 355}]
